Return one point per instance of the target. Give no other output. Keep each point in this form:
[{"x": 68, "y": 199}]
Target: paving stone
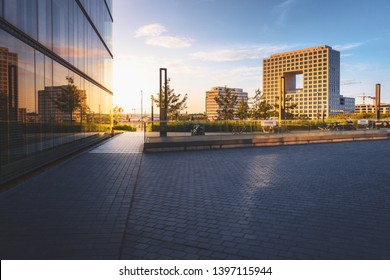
[{"x": 327, "y": 201}]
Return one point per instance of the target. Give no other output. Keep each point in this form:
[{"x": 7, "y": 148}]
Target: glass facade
[{"x": 55, "y": 78}]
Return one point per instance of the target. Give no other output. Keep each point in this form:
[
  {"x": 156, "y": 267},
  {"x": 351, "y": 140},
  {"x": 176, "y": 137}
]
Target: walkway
[
  {"x": 75, "y": 210},
  {"x": 325, "y": 201}
]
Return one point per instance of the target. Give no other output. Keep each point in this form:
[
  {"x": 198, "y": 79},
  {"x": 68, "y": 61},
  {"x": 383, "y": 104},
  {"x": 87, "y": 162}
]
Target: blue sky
[{"x": 206, "y": 43}]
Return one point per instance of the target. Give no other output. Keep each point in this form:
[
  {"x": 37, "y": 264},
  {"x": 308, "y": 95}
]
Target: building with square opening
[{"x": 312, "y": 81}]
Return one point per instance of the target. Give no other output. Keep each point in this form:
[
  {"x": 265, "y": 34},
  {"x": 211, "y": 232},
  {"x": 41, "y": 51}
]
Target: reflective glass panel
[
  {"x": 45, "y": 23},
  {"x": 43, "y": 104},
  {"x": 22, "y": 14},
  {"x": 60, "y": 28}
]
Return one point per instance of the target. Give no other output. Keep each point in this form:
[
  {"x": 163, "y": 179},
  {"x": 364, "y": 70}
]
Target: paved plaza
[{"x": 320, "y": 201}]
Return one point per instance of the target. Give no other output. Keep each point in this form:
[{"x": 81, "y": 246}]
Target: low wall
[{"x": 244, "y": 141}]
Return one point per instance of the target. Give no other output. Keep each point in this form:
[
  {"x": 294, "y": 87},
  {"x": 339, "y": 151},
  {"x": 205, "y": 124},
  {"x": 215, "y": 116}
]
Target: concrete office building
[
  {"x": 43, "y": 45},
  {"x": 370, "y": 108},
  {"x": 312, "y": 81},
  {"x": 212, "y": 106}
]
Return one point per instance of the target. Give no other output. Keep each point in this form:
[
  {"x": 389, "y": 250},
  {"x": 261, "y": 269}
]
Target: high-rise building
[
  {"x": 212, "y": 105},
  {"x": 312, "y": 81},
  {"x": 45, "y": 44},
  {"x": 8, "y": 85}
]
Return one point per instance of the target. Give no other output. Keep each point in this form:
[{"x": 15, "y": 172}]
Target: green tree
[
  {"x": 117, "y": 113},
  {"x": 261, "y": 110},
  {"x": 227, "y": 101},
  {"x": 175, "y": 104},
  {"x": 289, "y": 106},
  {"x": 71, "y": 99},
  {"x": 242, "y": 112}
]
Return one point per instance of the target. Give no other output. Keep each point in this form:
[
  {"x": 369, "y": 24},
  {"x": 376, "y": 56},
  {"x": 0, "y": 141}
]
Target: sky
[{"x": 207, "y": 43}]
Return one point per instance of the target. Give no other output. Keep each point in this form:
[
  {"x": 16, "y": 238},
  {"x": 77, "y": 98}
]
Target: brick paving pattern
[
  {"x": 76, "y": 210},
  {"x": 326, "y": 201}
]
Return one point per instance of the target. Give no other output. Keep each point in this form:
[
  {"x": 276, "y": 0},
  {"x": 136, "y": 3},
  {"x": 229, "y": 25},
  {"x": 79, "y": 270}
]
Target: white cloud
[
  {"x": 349, "y": 82},
  {"x": 281, "y": 11},
  {"x": 182, "y": 67},
  {"x": 258, "y": 52},
  {"x": 169, "y": 42},
  {"x": 246, "y": 72},
  {"x": 225, "y": 55},
  {"x": 150, "y": 30},
  {"x": 153, "y": 32},
  {"x": 347, "y": 46},
  {"x": 357, "y": 67}
]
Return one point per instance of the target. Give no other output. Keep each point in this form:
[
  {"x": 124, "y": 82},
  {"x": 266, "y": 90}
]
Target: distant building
[
  {"x": 347, "y": 104},
  {"x": 212, "y": 105},
  {"x": 370, "y": 108},
  {"x": 8, "y": 85},
  {"x": 48, "y": 111},
  {"x": 318, "y": 93}
]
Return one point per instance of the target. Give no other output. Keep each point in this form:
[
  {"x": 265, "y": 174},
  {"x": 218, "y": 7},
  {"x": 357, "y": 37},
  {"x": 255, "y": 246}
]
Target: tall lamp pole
[
  {"x": 141, "y": 111},
  {"x": 282, "y": 100},
  {"x": 163, "y": 103},
  {"x": 152, "y": 113}
]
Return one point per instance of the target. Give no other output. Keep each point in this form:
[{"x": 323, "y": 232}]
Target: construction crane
[
  {"x": 364, "y": 96},
  {"x": 349, "y": 82}
]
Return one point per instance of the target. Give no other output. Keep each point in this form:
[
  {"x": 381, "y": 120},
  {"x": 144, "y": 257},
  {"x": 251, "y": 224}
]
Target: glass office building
[{"x": 55, "y": 79}]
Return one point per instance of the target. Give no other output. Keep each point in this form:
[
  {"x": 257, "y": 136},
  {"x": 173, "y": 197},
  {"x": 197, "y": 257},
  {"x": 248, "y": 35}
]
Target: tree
[
  {"x": 227, "y": 101},
  {"x": 175, "y": 105},
  {"x": 261, "y": 110},
  {"x": 71, "y": 99},
  {"x": 287, "y": 108},
  {"x": 117, "y": 113},
  {"x": 242, "y": 110}
]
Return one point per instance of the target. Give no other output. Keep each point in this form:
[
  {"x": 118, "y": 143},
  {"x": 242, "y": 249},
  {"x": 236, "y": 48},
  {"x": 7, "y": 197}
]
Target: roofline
[{"x": 302, "y": 50}]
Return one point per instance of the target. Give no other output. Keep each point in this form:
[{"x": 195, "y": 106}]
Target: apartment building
[
  {"x": 212, "y": 106},
  {"x": 312, "y": 81}
]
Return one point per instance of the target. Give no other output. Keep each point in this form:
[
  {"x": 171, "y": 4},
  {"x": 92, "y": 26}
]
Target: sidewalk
[
  {"x": 326, "y": 201},
  {"x": 75, "y": 210}
]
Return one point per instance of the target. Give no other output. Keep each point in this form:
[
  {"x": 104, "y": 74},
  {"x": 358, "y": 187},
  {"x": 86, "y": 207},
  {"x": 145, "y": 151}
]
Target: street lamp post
[
  {"x": 163, "y": 103},
  {"x": 152, "y": 113},
  {"x": 282, "y": 100},
  {"x": 141, "y": 110}
]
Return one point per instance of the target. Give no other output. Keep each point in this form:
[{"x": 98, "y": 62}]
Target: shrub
[{"x": 125, "y": 127}]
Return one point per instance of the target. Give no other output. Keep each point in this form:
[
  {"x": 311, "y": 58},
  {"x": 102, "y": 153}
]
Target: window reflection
[
  {"x": 45, "y": 23},
  {"x": 60, "y": 27},
  {"x": 22, "y": 14},
  {"x": 65, "y": 103},
  {"x": 42, "y": 103},
  {"x": 8, "y": 85}
]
